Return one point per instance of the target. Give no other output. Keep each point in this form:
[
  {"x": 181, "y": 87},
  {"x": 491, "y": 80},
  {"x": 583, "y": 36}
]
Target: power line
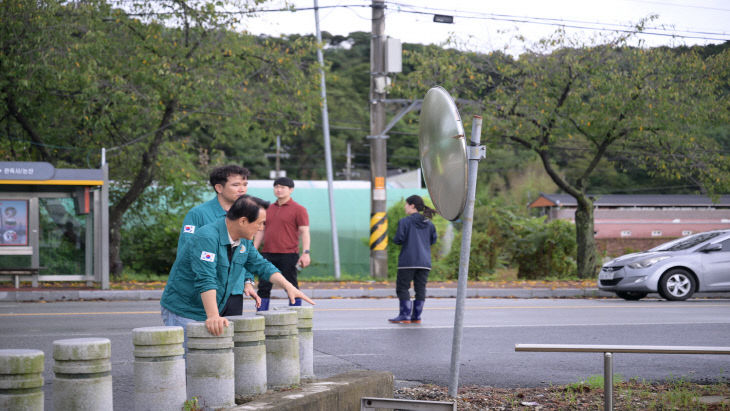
[
  {"x": 689, "y": 6},
  {"x": 545, "y": 21},
  {"x": 473, "y": 15}
]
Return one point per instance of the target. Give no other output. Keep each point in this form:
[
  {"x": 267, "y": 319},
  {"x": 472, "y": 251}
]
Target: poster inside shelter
[{"x": 13, "y": 222}]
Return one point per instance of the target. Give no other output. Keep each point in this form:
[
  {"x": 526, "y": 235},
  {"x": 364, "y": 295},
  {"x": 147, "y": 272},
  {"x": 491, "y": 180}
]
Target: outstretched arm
[{"x": 291, "y": 291}]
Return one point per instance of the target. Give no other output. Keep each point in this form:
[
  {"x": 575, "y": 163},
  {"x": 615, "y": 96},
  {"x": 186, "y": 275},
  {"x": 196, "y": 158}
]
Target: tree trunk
[
  {"x": 586, "y": 261},
  {"x": 115, "y": 242},
  {"x": 141, "y": 181}
]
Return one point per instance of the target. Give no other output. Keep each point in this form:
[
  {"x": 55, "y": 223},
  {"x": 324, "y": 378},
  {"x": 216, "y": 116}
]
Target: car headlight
[{"x": 648, "y": 262}]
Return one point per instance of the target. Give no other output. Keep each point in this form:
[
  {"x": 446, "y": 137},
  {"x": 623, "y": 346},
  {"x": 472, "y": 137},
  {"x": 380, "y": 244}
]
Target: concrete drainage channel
[{"x": 341, "y": 392}]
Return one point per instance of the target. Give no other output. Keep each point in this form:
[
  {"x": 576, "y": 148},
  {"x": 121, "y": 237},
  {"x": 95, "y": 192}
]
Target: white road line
[{"x": 441, "y": 327}]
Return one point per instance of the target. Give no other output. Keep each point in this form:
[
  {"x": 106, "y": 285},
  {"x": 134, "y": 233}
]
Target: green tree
[
  {"x": 579, "y": 108},
  {"x": 591, "y": 110},
  {"x": 167, "y": 86},
  {"x": 34, "y": 39}
]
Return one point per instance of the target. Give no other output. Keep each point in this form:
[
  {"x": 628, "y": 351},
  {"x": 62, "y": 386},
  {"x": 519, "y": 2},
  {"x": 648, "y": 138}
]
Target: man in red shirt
[{"x": 287, "y": 223}]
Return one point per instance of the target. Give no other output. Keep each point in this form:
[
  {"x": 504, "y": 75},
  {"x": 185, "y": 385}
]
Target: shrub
[
  {"x": 152, "y": 228},
  {"x": 501, "y": 237},
  {"x": 492, "y": 241},
  {"x": 545, "y": 249}
]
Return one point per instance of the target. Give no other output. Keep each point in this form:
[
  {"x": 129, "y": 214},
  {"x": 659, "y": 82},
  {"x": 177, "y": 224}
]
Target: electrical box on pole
[{"x": 393, "y": 55}]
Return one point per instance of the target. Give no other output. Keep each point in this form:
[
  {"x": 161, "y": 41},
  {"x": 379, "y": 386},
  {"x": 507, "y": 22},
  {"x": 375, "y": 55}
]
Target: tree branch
[
  {"x": 146, "y": 170},
  {"x": 27, "y": 127}
]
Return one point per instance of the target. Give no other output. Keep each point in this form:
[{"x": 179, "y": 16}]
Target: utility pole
[
  {"x": 348, "y": 163},
  {"x": 378, "y": 154},
  {"x": 278, "y": 153}
]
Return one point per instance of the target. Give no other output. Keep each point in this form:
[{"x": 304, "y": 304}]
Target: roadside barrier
[
  {"x": 159, "y": 369},
  {"x": 21, "y": 380},
  {"x": 249, "y": 351},
  {"x": 282, "y": 348},
  {"x": 210, "y": 366},
  {"x": 306, "y": 339},
  {"x": 274, "y": 349},
  {"x": 82, "y": 374}
]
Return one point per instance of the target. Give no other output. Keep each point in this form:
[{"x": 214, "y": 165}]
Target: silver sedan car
[{"x": 675, "y": 270}]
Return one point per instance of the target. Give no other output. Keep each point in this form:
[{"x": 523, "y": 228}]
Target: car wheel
[
  {"x": 662, "y": 293},
  {"x": 677, "y": 285},
  {"x": 631, "y": 295}
]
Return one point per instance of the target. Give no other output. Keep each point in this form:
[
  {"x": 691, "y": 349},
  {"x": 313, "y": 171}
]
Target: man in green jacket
[
  {"x": 229, "y": 183},
  {"x": 215, "y": 261}
]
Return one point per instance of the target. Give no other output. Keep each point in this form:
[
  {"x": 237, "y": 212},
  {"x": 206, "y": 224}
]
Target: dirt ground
[{"x": 630, "y": 395}]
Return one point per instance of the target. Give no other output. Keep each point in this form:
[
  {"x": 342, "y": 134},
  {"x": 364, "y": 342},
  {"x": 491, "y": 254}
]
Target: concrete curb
[
  {"x": 451, "y": 293},
  {"x": 79, "y": 295},
  {"x": 140, "y": 295}
]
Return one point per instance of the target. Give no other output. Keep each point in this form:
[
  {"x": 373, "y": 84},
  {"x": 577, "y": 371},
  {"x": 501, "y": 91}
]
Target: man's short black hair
[
  {"x": 284, "y": 181},
  {"x": 246, "y": 206},
  {"x": 220, "y": 175}
]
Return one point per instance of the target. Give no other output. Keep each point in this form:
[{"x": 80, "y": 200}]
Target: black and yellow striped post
[{"x": 378, "y": 232}]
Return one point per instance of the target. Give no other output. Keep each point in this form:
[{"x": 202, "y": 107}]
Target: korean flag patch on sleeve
[
  {"x": 189, "y": 229},
  {"x": 207, "y": 256}
]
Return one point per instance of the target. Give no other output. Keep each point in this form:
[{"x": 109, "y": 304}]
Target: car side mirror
[{"x": 711, "y": 247}]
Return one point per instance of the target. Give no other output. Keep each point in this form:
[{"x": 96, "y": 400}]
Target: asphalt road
[{"x": 354, "y": 334}]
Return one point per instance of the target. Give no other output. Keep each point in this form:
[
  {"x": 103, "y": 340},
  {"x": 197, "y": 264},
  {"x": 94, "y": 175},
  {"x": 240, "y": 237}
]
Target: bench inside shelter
[{"x": 18, "y": 272}]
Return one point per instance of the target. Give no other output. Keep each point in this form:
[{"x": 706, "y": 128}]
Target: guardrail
[{"x": 609, "y": 350}]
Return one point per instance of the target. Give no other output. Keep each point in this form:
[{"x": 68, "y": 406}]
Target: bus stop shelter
[{"x": 54, "y": 224}]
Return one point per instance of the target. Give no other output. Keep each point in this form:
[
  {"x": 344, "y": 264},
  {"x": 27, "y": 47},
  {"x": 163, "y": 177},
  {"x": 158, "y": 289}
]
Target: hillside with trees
[{"x": 171, "y": 89}]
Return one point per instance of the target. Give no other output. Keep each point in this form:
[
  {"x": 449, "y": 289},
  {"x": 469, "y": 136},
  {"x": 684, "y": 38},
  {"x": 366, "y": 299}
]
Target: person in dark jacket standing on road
[{"x": 415, "y": 234}]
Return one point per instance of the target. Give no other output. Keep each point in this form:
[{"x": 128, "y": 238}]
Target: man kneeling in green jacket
[{"x": 219, "y": 256}]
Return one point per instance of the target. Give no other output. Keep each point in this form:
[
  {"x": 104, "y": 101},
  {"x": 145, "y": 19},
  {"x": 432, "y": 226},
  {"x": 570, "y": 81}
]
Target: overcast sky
[{"x": 486, "y": 25}]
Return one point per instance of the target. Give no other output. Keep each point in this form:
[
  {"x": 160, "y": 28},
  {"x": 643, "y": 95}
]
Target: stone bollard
[
  {"x": 249, "y": 351},
  {"x": 210, "y": 366},
  {"x": 83, "y": 379},
  {"x": 159, "y": 368},
  {"x": 306, "y": 339},
  {"x": 21, "y": 380},
  {"x": 282, "y": 348}
]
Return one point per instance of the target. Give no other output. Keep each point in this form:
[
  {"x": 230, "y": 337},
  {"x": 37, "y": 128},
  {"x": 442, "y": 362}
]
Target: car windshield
[{"x": 688, "y": 242}]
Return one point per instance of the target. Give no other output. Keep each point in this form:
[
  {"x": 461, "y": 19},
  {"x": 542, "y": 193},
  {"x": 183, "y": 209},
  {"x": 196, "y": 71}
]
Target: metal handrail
[
  {"x": 609, "y": 350},
  {"x": 635, "y": 349}
]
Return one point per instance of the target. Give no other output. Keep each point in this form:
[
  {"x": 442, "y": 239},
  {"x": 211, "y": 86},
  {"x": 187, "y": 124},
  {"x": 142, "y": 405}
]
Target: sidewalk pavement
[
  {"x": 52, "y": 295},
  {"x": 434, "y": 290}
]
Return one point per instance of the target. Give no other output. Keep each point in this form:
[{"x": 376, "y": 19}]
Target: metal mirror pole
[{"x": 475, "y": 153}]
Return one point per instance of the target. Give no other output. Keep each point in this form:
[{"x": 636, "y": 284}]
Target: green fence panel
[{"x": 352, "y": 211}]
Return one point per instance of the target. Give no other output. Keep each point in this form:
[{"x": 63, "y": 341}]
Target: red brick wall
[{"x": 615, "y": 247}]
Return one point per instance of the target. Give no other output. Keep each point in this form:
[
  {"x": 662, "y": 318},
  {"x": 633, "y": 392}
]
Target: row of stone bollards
[{"x": 271, "y": 350}]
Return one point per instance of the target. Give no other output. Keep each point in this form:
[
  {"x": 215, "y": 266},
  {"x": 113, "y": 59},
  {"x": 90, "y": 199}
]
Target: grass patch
[
  {"x": 593, "y": 382},
  {"x": 130, "y": 276},
  {"x": 313, "y": 278},
  {"x": 584, "y": 395}
]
